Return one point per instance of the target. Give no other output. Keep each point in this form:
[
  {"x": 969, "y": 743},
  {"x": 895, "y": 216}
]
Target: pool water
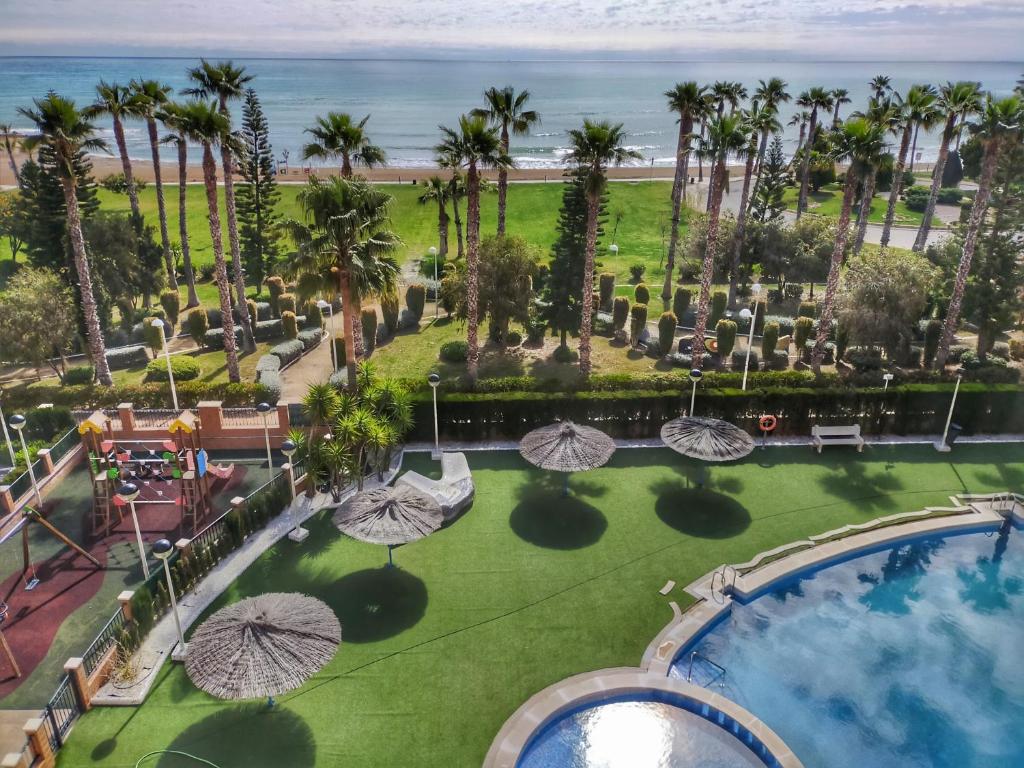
[
  {"x": 635, "y": 732},
  {"x": 911, "y": 656}
]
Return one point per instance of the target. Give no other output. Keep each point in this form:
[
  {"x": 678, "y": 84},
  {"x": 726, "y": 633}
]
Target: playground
[{"x": 63, "y": 565}]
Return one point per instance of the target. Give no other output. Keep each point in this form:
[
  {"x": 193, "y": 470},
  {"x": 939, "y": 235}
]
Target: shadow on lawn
[
  {"x": 375, "y": 603},
  {"x": 547, "y": 519},
  {"x": 699, "y": 512}
]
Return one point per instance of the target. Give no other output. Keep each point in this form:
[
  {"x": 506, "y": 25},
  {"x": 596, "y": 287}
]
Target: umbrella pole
[
  {"x": 391, "y": 561},
  {"x": 270, "y": 702}
]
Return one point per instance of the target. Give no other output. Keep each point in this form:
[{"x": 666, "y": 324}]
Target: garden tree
[
  {"x": 689, "y": 101},
  {"x": 727, "y": 135},
  {"x": 768, "y": 95},
  {"x": 13, "y": 223},
  {"x": 695, "y": 244},
  {"x": 344, "y": 248},
  {"x": 915, "y": 108},
  {"x": 67, "y": 133},
  {"x": 9, "y": 137},
  {"x": 205, "y": 125},
  {"x": 880, "y": 86},
  {"x": 723, "y": 92},
  {"x": 814, "y": 99},
  {"x": 506, "y": 110},
  {"x": 594, "y": 147},
  {"x": 768, "y": 201},
  {"x": 956, "y": 100},
  {"x": 39, "y": 324},
  {"x": 126, "y": 263},
  {"x": 857, "y": 142},
  {"x": 812, "y": 250},
  {"x": 473, "y": 146},
  {"x": 1001, "y": 123},
  {"x": 170, "y": 116},
  {"x": 840, "y": 96},
  {"x": 338, "y": 136},
  {"x": 120, "y": 102},
  {"x": 227, "y": 82},
  {"x": 800, "y": 119},
  {"x": 884, "y": 113},
  {"x": 257, "y": 196},
  {"x": 970, "y": 156},
  {"x": 883, "y": 297},
  {"x": 436, "y": 190},
  {"x": 150, "y": 97}
]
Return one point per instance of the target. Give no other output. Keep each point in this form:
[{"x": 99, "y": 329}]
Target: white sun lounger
[{"x": 454, "y": 491}]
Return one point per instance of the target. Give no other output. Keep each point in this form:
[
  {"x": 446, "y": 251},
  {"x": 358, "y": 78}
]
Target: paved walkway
[{"x": 312, "y": 368}]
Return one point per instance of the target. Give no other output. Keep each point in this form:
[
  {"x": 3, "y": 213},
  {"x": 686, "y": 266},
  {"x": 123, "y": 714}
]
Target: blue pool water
[{"x": 911, "y": 656}]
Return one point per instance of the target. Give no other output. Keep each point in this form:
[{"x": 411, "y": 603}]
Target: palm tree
[
  {"x": 505, "y": 109},
  {"x": 956, "y": 100},
  {"x": 800, "y": 118},
  {"x": 171, "y": 116},
  {"x": 204, "y": 124},
  {"x": 120, "y": 102},
  {"x": 768, "y": 95},
  {"x": 338, "y": 136},
  {"x": 66, "y": 130},
  {"x": 840, "y": 96},
  {"x": 886, "y": 113},
  {"x": 1001, "y": 121},
  {"x": 815, "y": 99},
  {"x": 689, "y": 101},
  {"x": 857, "y": 141},
  {"x": 474, "y": 145},
  {"x": 224, "y": 81},
  {"x": 593, "y": 148},
  {"x": 435, "y": 190},
  {"x": 151, "y": 95},
  {"x": 726, "y": 135},
  {"x": 345, "y": 248},
  {"x": 759, "y": 121},
  {"x": 7, "y": 132},
  {"x": 918, "y": 106},
  {"x": 731, "y": 93},
  {"x": 880, "y": 85}
]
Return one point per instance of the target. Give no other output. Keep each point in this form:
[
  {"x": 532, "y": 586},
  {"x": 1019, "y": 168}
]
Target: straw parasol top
[
  {"x": 706, "y": 439},
  {"x": 389, "y": 515},
  {"x": 262, "y": 646},
  {"x": 567, "y": 447}
]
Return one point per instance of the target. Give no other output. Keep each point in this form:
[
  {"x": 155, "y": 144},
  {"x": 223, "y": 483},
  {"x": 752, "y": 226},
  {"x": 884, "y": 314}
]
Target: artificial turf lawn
[{"x": 524, "y": 590}]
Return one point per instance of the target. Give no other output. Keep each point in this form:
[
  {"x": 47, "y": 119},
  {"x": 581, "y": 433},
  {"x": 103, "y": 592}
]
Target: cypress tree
[
  {"x": 258, "y": 195},
  {"x": 767, "y": 204}
]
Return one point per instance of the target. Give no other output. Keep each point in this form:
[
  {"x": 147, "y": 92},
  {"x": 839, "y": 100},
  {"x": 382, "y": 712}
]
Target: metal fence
[
  {"x": 60, "y": 713},
  {"x": 65, "y": 445},
  {"x": 23, "y": 483},
  {"x": 154, "y": 418},
  {"x": 102, "y": 642},
  {"x": 248, "y": 417}
]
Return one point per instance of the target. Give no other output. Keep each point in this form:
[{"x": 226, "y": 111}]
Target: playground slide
[{"x": 223, "y": 472}]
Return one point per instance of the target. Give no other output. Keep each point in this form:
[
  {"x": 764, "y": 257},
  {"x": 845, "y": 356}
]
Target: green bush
[
  {"x": 171, "y": 302},
  {"x": 267, "y": 363},
  {"x": 916, "y": 198},
  {"x": 80, "y": 374},
  {"x": 606, "y": 283},
  {"x": 802, "y": 331},
  {"x": 637, "y": 323},
  {"x": 636, "y": 272},
  {"x": 739, "y": 359},
  {"x": 864, "y": 358},
  {"x": 198, "y": 324},
  {"x": 310, "y": 337},
  {"x": 147, "y": 395},
  {"x": 950, "y": 196},
  {"x": 275, "y": 287},
  {"x": 794, "y": 291},
  {"x": 254, "y": 315},
  {"x": 288, "y": 351},
  {"x": 681, "y": 301},
  {"x": 1016, "y": 349},
  {"x": 769, "y": 340},
  {"x": 778, "y": 361},
  {"x": 339, "y": 351},
  {"x": 760, "y": 310},
  {"x": 536, "y": 327},
  {"x": 642, "y": 294},
  {"x": 268, "y": 330},
  {"x": 311, "y": 315},
  {"x": 368, "y": 324},
  {"x": 154, "y": 336},
  {"x": 932, "y": 335},
  {"x": 725, "y": 333},
  {"x": 126, "y": 357},
  {"x": 808, "y": 309},
  {"x": 389, "y": 307},
  {"x": 666, "y": 332},
  {"x": 454, "y": 351},
  {"x": 513, "y": 339},
  {"x": 286, "y": 303},
  {"x": 719, "y": 301},
  {"x": 842, "y": 340},
  {"x": 289, "y": 325},
  {"x": 620, "y": 312},
  {"x": 415, "y": 299},
  {"x": 214, "y": 338},
  {"x": 184, "y": 367},
  {"x": 565, "y": 354}
]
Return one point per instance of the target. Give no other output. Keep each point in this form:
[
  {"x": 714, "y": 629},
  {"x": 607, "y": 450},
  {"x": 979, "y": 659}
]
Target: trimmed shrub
[
  {"x": 911, "y": 358},
  {"x": 153, "y": 336},
  {"x": 565, "y": 354},
  {"x": 760, "y": 310},
  {"x": 454, "y": 351},
  {"x": 368, "y": 322},
  {"x": 828, "y": 358},
  {"x": 864, "y": 358},
  {"x": 415, "y": 299},
  {"x": 286, "y": 303},
  {"x": 802, "y": 331},
  {"x": 949, "y": 196},
  {"x": 310, "y": 337},
  {"x": 275, "y": 287},
  {"x": 956, "y": 352},
  {"x": 785, "y": 324},
  {"x": 267, "y": 330},
  {"x": 198, "y": 324},
  {"x": 536, "y": 327},
  {"x": 214, "y": 318},
  {"x": 513, "y": 339},
  {"x": 312, "y": 316},
  {"x": 932, "y": 334},
  {"x": 1016, "y": 349},
  {"x": 666, "y": 332},
  {"x": 681, "y": 302},
  {"x": 253, "y": 316},
  {"x": 719, "y": 300},
  {"x": 185, "y": 368},
  {"x": 171, "y": 302},
  {"x": 636, "y": 272},
  {"x": 725, "y": 333},
  {"x": 406, "y": 319},
  {"x": 808, "y": 309},
  {"x": 842, "y": 340},
  {"x": 1001, "y": 350},
  {"x": 620, "y": 312},
  {"x": 637, "y": 323},
  {"x": 127, "y": 357},
  {"x": 739, "y": 358},
  {"x": 778, "y": 361},
  {"x": 214, "y": 338},
  {"x": 271, "y": 383},
  {"x": 267, "y": 363},
  {"x": 769, "y": 340},
  {"x": 288, "y": 325},
  {"x": 287, "y": 351},
  {"x": 794, "y": 291},
  {"x": 389, "y": 308},
  {"x": 681, "y": 360},
  {"x": 339, "y": 351},
  {"x": 642, "y": 294},
  {"x": 80, "y": 374},
  {"x": 262, "y": 311},
  {"x": 606, "y": 290},
  {"x": 916, "y": 198}
]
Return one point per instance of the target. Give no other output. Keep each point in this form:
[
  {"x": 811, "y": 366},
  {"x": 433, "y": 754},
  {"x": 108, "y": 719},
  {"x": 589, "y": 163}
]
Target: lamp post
[
  {"x": 433, "y": 379},
  {"x": 941, "y": 446},
  {"x": 159, "y": 324},
  {"x": 297, "y": 533},
  {"x": 695, "y": 376},
  {"x": 129, "y": 492},
  {"x": 437, "y": 289},
  {"x": 7, "y": 436},
  {"x": 746, "y": 314},
  {"x": 162, "y": 550},
  {"x": 322, "y": 305},
  {"x": 18, "y": 425},
  {"x": 263, "y": 409}
]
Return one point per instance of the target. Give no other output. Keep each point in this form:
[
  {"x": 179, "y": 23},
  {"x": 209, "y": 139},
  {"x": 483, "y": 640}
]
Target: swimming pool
[{"x": 909, "y": 656}]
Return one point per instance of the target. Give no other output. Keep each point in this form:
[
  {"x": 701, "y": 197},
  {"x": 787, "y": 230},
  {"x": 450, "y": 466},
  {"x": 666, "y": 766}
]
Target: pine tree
[
  {"x": 258, "y": 195},
  {"x": 767, "y": 204},
  {"x": 563, "y": 286}
]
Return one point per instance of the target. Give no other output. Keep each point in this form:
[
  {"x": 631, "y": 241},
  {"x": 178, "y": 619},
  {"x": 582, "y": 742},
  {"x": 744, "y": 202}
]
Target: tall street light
[
  {"x": 942, "y": 446},
  {"x": 322, "y": 305},
  {"x": 162, "y": 550},
  {"x": 129, "y": 492},
  {"x": 695, "y": 375},
  {"x": 264, "y": 409},
  {"x": 433, "y": 379},
  {"x": 18, "y": 425},
  {"x": 156, "y": 322},
  {"x": 746, "y": 314},
  {"x": 437, "y": 289},
  {"x": 7, "y": 435},
  {"x": 297, "y": 533}
]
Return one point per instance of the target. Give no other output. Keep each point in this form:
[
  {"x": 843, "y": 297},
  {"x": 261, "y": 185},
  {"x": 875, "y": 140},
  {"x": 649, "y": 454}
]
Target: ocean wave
[{"x": 551, "y": 133}]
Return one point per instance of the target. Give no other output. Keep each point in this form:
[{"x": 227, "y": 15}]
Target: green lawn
[
  {"x": 526, "y": 589},
  {"x": 213, "y": 365},
  {"x": 829, "y": 200}
]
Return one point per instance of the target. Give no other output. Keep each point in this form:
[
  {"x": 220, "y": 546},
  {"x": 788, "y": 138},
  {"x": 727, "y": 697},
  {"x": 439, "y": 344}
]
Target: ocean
[{"x": 407, "y": 100}]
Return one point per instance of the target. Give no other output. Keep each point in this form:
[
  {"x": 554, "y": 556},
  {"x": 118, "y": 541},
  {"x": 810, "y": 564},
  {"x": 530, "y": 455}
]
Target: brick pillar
[
  {"x": 283, "y": 421},
  {"x": 184, "y": 546},
  {"x": 15, "y": 760},
  {"x": 124, "y": 599},
  {"x": 45, "y": 460},
  {"x": 126, "y": 413},
  {"x": 209, "y": 415},
  {"x": 75, "y": 668},
  {"x": 6, "y": 500},
  {"x": 38, "y": 743}
]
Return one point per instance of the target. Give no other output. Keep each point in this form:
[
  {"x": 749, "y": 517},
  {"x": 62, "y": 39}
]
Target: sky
[{"x": 891, "y": 30}]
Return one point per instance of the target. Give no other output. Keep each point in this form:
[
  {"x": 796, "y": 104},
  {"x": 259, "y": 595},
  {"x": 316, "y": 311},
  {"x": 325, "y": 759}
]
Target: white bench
[
  {"x": 822, "y": 436},
  {"x": 454, "y": 491}
]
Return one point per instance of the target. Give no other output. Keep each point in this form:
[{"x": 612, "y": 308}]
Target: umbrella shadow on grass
[
  {"x": 546, "y": 518},
  {"x": 376, "y": 603},
  {"x": 700, "y": 512}
]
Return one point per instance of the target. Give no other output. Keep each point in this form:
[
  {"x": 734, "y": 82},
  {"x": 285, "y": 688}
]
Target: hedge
[
  {"x": 185, "y": 368},
  {"x": 267, "y": 363},
  {"x": 127, "y": 357},
  {"x": 288, "y": 351},
  {"x": 310, "y": 337},
  {"x": 150, "y": 395}
]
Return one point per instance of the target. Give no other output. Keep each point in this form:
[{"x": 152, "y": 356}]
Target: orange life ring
[{"x": 767, "y": 423}]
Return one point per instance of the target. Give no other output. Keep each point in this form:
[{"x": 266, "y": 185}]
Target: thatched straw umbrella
[
  {"x": 390, "y": 515},
  {"x": 262, "y": 646},
  {"x": 567, "y": 447},
  {"x": 706, "y": 439}
]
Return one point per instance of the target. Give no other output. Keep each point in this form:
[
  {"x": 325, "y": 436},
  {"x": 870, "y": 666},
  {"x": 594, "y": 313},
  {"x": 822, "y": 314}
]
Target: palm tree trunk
[
  {"x": 165, "y": 241},
  {"x": 502, "y": 182},
  {"x": 741, "y": 226},
  {"x": 933, "y": 197},
  {"x": 472, "y": 269},
  {"x": 93, "y": 331},
  {"x": 460, "y": 250},
  {"x": 700, "y": 157},
  {"x": 805, "y": 166},
  {"x": 186, "y": 251},
  {"x": 761, "y": 150},
  {"x": 897, "y": 185},
  {"x": 835, "y": 268},
  {"x": 865, "y": 208},
  {"x": 220, "y": 267},
  {"x": 10, "y": 159},
  {"x": 835, "y": 114},
  {"x": 126, "y": 165},
  {"x": 913, "y": 147},
  {"x": 587, "y": 308},
  {"x": 978, "y": 209},
  {"x": 678, "y": 185},
  {"x": 346, "y": 166},
  {"x": 803, "y": 135},
  {"x": 348, "y": 328},
  {"x": 248, "y": 342},
  {"x": 359, "y": 348},
  {"x": 708, "y": 271},
  {"x": 442, "y": 228}
]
